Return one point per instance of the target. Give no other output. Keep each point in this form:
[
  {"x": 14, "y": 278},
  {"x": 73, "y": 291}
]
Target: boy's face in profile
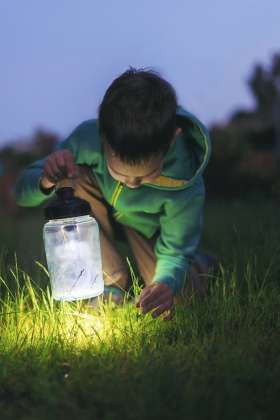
[{"x": 134, "y": 175}]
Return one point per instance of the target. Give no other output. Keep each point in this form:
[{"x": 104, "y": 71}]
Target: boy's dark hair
[{"x": 137, "y": 116}]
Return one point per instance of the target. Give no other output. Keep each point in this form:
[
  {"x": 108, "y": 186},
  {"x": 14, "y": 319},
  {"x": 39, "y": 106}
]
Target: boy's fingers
[
  {"x": 169, "y": 314},
  {"x": 143, "y": 295},
  {"x": 138, "y": 300},
  {"x": 60, "y": 162},
  {"x": 162, "y": 308},
  {"x": 146, "y": 300},
  {"x": 164, "y": 298},
  {"x": 156, "y": 293},
  {"x": 60, "y": 165},
  {"x": 71, "y": 167},
  {"x": 51, "y": 171},
  {"x": 65, "y": 163},
  {"x": 54, "y": 164}
]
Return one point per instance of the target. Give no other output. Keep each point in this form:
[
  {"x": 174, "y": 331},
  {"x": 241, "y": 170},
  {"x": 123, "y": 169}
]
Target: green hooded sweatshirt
[{"x": 172, "y": 205}]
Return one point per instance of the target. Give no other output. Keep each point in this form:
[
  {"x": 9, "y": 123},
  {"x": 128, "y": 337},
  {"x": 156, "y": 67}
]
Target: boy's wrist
[
  {"x": 46, "y": 183},
  {"x": 176, "y": 284},
  {"x": 168, "y": 281},
  {"x": 45, "y": 186}
]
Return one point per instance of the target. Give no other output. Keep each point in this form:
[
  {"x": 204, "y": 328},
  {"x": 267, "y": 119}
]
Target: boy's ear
[{"x": 178, "y": 131}]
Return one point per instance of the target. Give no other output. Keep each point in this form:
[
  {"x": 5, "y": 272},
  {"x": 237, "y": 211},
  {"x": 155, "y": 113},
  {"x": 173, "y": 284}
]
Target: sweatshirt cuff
[
  {"x": 30, "y": 194},
  {"x": 174, "y": 277}
]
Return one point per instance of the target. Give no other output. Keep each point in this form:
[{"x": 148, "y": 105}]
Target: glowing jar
[{"x": 72, "y": 246}]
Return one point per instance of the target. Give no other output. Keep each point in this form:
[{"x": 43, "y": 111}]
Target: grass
[{"x": 217, "y": 359}]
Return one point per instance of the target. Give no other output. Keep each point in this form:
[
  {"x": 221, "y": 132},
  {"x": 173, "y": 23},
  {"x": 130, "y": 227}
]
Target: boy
[{"x": 140, "y": 166}]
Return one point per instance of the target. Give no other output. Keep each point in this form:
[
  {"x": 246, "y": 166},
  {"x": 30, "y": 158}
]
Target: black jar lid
[{"x": 66, "y": 205}]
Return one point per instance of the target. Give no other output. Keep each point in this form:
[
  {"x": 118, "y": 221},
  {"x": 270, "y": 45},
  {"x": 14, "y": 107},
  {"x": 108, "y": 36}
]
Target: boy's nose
[{"x": 133, "y": 182}]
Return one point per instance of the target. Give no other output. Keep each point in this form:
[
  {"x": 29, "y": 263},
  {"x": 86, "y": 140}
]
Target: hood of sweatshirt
[{"x": 187, "y": 157}]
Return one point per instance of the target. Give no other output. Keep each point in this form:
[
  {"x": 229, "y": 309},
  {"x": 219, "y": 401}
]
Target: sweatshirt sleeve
[
  {"x": 180, "y": 232},
  {"x": 27, "y": 190}
]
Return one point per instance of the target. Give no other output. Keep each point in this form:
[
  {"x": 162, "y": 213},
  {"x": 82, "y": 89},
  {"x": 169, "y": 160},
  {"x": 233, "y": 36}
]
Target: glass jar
[{"x": 73, "y": 255}]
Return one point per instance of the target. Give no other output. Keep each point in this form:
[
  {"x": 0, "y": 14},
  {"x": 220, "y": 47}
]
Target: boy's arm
[
  {"x": 28, "y": 190},
  {"x": 180, "y": 232}
]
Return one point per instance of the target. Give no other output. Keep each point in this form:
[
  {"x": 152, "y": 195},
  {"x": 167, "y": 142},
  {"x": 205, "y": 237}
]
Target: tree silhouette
[
  {"x": 263, "y": 89},
  {"x": 246, "y": 150}
]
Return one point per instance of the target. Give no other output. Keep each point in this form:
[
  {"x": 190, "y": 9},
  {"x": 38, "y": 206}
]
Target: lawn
[{"x": 217, "y": 359}]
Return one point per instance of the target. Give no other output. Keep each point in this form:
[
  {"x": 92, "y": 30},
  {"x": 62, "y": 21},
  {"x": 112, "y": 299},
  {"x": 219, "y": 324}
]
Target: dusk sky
[{"x": 59, "y": 56}]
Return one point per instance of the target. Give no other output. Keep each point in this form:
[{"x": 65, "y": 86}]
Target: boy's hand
[
  {"x": 157, "y": 297},
  {"x": 58, "y": 166}
]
